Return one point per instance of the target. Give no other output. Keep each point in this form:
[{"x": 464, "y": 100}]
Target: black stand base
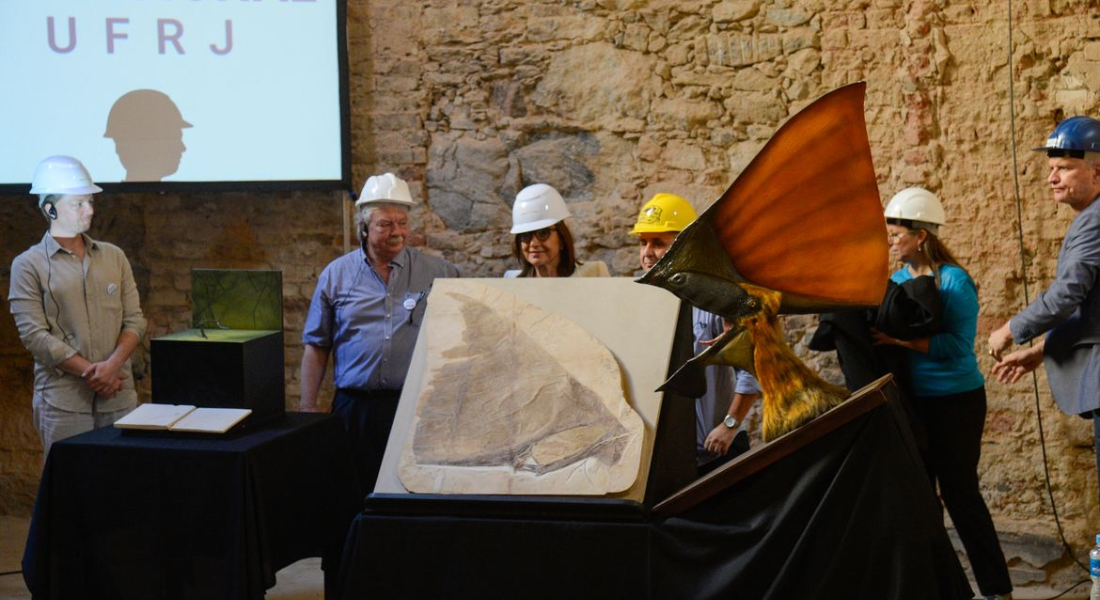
[{"x": 842, "y": 510}]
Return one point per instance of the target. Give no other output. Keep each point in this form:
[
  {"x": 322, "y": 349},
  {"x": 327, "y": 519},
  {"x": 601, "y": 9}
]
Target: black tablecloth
[
  {"x": 123, "y": 516},
  {"x": 849, "y": 516}
]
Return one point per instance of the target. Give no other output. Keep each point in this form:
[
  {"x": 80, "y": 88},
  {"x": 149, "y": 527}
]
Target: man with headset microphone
[
  {"x": 366, "y": 313},
  {"x": 1068, "y": 311},
  {"x": 76, "y": 307}
]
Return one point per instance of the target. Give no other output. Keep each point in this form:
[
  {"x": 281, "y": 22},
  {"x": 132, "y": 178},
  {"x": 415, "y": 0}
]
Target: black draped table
[
  {"x": 848, "y": 516},
  {"x": 124, "y": 516}
]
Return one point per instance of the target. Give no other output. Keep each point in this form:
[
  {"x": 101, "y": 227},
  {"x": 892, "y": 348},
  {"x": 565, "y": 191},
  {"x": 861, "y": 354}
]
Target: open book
[
  {"x": 182, "y": 417},
  {"x": 211, "y": 420}
]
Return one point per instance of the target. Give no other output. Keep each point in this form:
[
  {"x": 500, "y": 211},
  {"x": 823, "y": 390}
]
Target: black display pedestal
[
  {"x": 234, "y": 368},
  {"x": 841, "y": 510}
]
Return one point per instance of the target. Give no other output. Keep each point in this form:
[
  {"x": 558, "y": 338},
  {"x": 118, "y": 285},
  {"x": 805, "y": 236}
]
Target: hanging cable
[
  {"x": 1027, "y": 296},
  {"x": 1068, "y": 590}
]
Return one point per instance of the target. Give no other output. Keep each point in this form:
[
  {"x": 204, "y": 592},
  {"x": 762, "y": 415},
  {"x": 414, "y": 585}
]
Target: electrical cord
[
  {"x": 203, "y": 325},
  {"x": 49, "y": 289},
  {"x": 1068, "y": 590},
  {"x": 1027, "y": 300}
]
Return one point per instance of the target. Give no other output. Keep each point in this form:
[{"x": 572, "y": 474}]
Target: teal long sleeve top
[{"x": 950, "y": 367}]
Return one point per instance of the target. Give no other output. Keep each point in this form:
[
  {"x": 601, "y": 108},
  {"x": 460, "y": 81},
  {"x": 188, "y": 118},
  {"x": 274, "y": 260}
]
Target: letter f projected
[{"x": 113, "y": 35}]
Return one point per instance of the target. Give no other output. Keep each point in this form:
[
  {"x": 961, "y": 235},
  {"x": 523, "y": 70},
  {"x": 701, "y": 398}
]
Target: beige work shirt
[{"x": 64, "y": 306}]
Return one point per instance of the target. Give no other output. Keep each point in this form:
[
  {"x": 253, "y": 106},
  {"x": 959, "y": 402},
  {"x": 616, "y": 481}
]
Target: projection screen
[{"x": 176, "y": 94}]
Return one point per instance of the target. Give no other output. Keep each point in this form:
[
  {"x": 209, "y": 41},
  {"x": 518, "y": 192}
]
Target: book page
[
  {"x": 154, "y": 416},
  {"x": 211, "y": 420}
]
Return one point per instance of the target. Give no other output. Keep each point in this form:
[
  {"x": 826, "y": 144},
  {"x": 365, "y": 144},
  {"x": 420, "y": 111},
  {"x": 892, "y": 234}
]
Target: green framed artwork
[{"x": 236, "y": 299}]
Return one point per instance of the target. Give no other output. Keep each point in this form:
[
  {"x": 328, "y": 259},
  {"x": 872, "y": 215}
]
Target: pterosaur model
[{"x": 799, "y": 231}]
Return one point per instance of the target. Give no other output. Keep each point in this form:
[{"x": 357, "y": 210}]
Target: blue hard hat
[{"x": 1073, "y": 136}]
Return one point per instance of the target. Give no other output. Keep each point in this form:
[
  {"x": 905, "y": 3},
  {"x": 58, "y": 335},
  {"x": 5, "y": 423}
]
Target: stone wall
[{"x": 611, "y": 101}]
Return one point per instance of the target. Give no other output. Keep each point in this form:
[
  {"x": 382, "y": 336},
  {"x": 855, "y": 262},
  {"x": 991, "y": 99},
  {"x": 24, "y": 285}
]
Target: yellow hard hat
[{"x": 664, "y": 212}]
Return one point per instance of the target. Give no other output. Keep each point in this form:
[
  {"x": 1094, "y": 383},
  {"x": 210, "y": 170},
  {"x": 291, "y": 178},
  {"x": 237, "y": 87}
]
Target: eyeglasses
[{"x": 541, "y": 234}]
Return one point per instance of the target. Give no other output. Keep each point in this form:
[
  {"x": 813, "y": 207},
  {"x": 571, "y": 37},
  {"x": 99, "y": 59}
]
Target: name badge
[{"x": 409, "y": 304}]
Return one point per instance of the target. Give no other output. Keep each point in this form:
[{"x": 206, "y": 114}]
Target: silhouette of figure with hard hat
[{"x": 147, "y": 128}]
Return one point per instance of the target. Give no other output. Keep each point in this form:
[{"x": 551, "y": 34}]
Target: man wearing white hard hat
[
  {"x": 543, "y": 244},
  {"x": 76, "y": 306},
  {"x": 366, "y": 313}
]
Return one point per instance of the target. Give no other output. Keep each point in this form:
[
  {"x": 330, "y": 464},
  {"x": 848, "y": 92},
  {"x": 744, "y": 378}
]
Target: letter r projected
[{"x": 163, "y": 36}]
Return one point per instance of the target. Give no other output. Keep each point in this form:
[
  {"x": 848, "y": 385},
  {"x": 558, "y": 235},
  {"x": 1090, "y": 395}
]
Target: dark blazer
[{"x": 1070, "y": 310}]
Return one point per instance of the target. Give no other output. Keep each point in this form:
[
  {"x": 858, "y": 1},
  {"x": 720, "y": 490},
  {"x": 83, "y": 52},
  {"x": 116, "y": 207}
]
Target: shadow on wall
[{"x": 147, "y": 128}]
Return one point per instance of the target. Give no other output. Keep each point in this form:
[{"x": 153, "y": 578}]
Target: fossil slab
[{"x": 517, "y": 400}]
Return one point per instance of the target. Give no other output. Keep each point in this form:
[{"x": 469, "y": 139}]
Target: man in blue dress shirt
[
  {"x": 366, "y": 312},
  {"x": 1069, "y": 310}
]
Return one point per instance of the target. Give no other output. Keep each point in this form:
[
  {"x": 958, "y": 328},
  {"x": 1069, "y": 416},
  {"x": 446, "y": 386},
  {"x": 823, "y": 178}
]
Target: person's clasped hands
[{"x": 105, "y": 378}]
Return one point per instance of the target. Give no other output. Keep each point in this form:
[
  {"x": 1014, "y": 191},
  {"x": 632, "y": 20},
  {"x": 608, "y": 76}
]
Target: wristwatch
[{"x": 730, "y": 422}]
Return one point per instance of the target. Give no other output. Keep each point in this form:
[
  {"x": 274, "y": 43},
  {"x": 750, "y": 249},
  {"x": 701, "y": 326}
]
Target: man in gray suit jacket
[{"x": 1070, "y": 308}]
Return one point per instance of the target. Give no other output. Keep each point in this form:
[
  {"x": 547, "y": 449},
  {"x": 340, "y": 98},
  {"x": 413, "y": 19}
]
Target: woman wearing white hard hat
[
  {"x": 947, "y": 383},
  {"x": 543, "y": 244}
]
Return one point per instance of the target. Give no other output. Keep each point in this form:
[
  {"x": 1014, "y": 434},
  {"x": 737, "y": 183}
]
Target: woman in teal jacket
[{"x": 948, "y": 386}]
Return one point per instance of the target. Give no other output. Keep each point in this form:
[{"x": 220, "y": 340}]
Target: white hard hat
[
  {"x": 385, "y": 189},
  {"x": 62, "y": 175},
  {"x": 537, "y": 206},
  {"x": 915, "y": 204}
]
